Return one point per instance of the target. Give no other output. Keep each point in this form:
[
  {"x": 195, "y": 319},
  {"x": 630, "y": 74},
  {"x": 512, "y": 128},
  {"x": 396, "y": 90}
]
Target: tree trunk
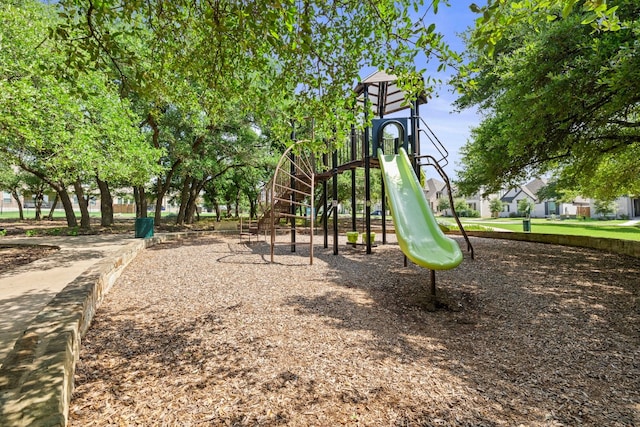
[
  {"x": 216, "y": 207},
  {"x": 238, "y": 204},
  {"x": 106, "y": 203},
  {"x": 136, "y": 198},
  {"x": 253, "y": 211},
  {"x": 38, "y": 214},
  {"x": 184, "y": 199},
  {"x": 68, "y": 206},
  {"x": 16, "y": 197},
  {"x": 62, "y": 192},
  {"x": 141, "y": 201},
  {"x": 192, "y": 205},
  {"x": 37, "y": 202},
  {"x": 53, "y": 207},
  {"x": 158, "y": 214},
  {"x": 163, "y": 183},
  {"x": 85, "y": 221}
]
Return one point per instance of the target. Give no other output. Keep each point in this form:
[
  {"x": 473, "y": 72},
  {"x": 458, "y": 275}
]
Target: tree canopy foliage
[
  {"x": 62, "y": 132},
  {"x": 558, "y": 90},
  {"x": 304, "y": 56},
  {"x": 170, "y": 96}
]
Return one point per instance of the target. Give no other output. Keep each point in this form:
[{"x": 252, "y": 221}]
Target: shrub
[
  {"x": 604, "y": 207},
  {"x": 54, "y": 232},
  {"x": 496, "y": 206},
  {"x": 525, "y": 206}
]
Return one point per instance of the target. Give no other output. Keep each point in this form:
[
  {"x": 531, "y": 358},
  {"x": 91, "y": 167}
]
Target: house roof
[
  {"x": 508, "y": 199},
  {"x": 432, "y": 186},
  {"x": 534, "y": 186},
  {"x": 511, "y": 194},
  {"x": 530, "y": 190}
]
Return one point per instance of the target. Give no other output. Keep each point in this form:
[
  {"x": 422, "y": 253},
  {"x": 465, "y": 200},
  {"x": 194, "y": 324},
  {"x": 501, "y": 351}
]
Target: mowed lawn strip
[{"x": 591, "y": 228}]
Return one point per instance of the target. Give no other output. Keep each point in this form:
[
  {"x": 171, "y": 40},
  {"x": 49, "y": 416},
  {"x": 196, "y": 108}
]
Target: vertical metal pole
[
  {"x": 334, "y": 201},
  {"x": 432, "y": 289},
  {"x": 292, "y": 197},
  {"x": 313, "y": 184},
  {"x": 415, "y": 130},
  {"x": 367, "y": 170},
  {"x": 380, "y": 140},
  {"x": 353, "y": 178},
  {"x": 325, "y": 226},
  {"x": 384, "y": 210},
  {"x": 272, "y": 214}
]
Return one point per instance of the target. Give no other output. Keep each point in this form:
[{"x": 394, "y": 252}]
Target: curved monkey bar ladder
[{"x": 291, "y": 189}]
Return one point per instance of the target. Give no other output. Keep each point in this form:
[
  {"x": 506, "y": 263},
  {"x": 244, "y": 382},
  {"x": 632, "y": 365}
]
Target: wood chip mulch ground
[{"x": 209, "y": 333}]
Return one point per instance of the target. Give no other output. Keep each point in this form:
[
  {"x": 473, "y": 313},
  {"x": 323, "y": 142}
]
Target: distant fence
[{"x": 121, "y": 208}]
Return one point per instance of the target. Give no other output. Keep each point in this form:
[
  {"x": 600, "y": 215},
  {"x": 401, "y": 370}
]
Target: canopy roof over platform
[{"x": 385, "y": 96}]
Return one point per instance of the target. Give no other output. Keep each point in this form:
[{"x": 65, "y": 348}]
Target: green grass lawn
[
  {"x": 58, "y": 214},
  {"x": 608, "y": 229}
]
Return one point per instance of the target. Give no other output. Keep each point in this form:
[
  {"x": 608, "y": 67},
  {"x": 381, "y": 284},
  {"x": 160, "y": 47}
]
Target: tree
[
  {"x": 34, "y": 108},
  {"x": 496, "y": 206},
  {"x": 254, "y": 179},
  {"x": 65, "y": 132},
  {"x": 302, "y": 56},
  {"x": 12, "y": 183},
  {"x": 553, "y": 191},
  {"x": 460, "y": 205},
  {"x": 443, "y": 204},
  {"x": 604, "y": 207},
  {"x": 37, "y": 188},
  {"x": 525, "y": 206},
  {"x": 498, "y": 16},
  {"x": 558, "y": 97}
]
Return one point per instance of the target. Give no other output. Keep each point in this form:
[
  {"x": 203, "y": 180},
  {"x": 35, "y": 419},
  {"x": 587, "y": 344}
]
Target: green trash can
[
  {"x": 144, "y": 228},
  {"x": 526, "y": 225}
]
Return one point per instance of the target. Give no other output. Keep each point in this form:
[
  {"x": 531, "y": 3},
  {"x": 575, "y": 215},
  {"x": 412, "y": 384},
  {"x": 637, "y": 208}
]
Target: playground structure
[{"x": 393, "y": 145}]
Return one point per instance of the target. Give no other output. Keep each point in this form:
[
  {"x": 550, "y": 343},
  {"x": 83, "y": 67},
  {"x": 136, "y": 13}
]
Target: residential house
[
  {"x": 481, "y": 204},
  {"x": 629, "y": 206},
  {"x": 625, "y": 206},
  {"x": 543, "y": 208},
  {"x": 528, "y": 191},
  {"x": 434, "y": 190}
]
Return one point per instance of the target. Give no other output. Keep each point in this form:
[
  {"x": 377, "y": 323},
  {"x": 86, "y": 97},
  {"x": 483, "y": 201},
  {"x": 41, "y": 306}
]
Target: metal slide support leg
[{"x": 433, "y": 283}]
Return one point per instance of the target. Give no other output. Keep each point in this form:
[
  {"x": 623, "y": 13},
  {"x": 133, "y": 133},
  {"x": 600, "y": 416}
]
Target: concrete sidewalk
[{"x": 26, "y": 290}]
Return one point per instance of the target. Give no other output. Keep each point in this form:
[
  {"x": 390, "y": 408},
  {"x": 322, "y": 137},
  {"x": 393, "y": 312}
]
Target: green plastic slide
[{"x": 419, "y": 236}]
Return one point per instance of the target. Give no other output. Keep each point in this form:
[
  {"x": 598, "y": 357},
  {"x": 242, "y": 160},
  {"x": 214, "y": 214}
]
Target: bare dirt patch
[
  {"x": 15, "y": 256},
  {"x": 210, "y": 333},
  {"x": 58, "y": 227}
]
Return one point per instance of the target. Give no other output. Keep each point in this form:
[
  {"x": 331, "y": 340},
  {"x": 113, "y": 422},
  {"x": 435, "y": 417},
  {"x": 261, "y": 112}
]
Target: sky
[{"x": 452, "y": 129}]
